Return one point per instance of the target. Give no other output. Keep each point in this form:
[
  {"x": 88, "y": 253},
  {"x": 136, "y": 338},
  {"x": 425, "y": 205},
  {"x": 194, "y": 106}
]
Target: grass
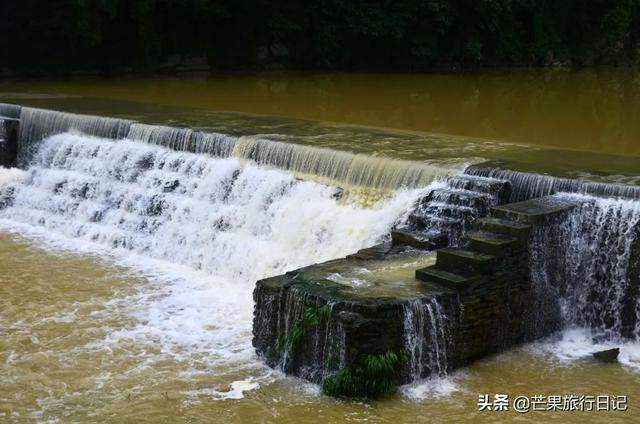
[
  {"x": 374, "y": 377},
  {"x": 311, "y": 317}
]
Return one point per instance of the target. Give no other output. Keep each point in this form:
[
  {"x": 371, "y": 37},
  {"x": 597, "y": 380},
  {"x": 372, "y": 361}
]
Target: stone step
[
  {"x": 445, "y": 210},
  {"x": 535, "y": 210},
  {"x": 424, "y": 221},
  {"x": 450, "y": 280},
  {"x": 455, "y": 259},
  {"x": 493, "y": 186},
  {"x": 425, "y": 241},
  {"x": 371, "y": 253},
  {"x": 491, "y": 243},
  {"x": 460, "y": 197},
  {"x": 504, "y": 226}
]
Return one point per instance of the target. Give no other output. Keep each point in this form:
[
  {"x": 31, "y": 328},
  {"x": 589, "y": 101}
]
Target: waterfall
[
  {"x": 425, "y": 338},
  {"x": 212, "y": 226},
  {"x": 184, "y": 139},
  {"x": 325, "y": 165},
  {"x": 214, "y": 144},
  {"x": 188, "y": 208},
  {"x": 171, "y": 137},
  {"x": 37, "y": 124},
  {"x": 451, "y": 208},
  {"x": 590, "y": 261},
  {"x": 527, "y": 186},
  {"x": 345, "y": 167}
]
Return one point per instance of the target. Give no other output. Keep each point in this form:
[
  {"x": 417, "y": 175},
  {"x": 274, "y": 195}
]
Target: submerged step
[
  {"x": 451, "y": 280},
  {"x": 504, "y": 226},
  {"x": 419, "y": 241},
  {"x": 493, "y": 186},
  {"x": 460, "y": 197},
  {"x": 441, "y": 209},
  {"x": 491, "y": 243},
  {"x": 370, "y": 253},
  {"x": 8, "y": 141},
  {"x": 427, "y": 221},
  {"x": 453, "y": 259}
]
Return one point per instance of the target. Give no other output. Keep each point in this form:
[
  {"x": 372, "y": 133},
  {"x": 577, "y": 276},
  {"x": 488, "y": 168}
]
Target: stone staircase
[
  {"x": 501, "y": 237},
  {"x": 443, "y": 217}
]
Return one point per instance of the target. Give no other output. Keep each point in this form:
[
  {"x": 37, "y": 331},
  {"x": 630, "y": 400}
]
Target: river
[{"x": 111, "y": 321}]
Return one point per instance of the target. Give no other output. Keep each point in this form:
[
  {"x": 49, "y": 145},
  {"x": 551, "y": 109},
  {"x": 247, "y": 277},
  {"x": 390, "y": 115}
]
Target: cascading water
[
  {"x": 333, "y": 165},
  {"x": 451, "y": 208},
  {"x": 184, "y": 139},
  {"x": 210, "y": 226},
  {"x": 590, "y": 261},
  {"x": 325, "y": 165},
  {"x": 425, "y": 338},
  {"x": 154, "y": 201},
  {"x": 528, "y": 186}
]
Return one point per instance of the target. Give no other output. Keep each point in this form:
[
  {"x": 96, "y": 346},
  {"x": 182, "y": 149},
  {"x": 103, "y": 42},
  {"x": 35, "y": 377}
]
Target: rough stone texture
[
  {"x": 609, "y": 355},
  {"x": 417, "y": 240},
  {"x": 445, "y": 214},
  {"x": 484, "y": 289},
  {"x": 8, "y": 141},
  {"x": 354, "y": 328}
]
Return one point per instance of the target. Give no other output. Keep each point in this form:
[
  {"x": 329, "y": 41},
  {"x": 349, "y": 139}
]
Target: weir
[
  {"x": 445, "y": 270},
  {"x": 526, "y": 185},
  {"x": 325, "y": 165}
]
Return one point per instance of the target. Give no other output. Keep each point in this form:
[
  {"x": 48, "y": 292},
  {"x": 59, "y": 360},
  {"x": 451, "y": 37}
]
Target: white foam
[
  {"x": 222, "y": 227},
  {"x": 577, "y": 344},
  {"x": 435, "y": 387},
  {"x": 10, "y": 176},
  {"x": 236, "y": 390}
]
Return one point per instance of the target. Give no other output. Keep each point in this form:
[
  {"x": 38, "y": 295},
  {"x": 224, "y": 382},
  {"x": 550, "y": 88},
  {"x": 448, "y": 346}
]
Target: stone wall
[
  {"x": 319, "y": 330},
  {"x": 8, "y": 141}
]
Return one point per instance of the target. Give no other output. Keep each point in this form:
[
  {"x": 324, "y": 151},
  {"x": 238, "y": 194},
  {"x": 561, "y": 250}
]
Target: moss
[
  {"x": 298, "y": 333},
  {"x": 374, "y": 377},
  {"x": 332, "y": 361},
  {"x": 311, "y": 317}
]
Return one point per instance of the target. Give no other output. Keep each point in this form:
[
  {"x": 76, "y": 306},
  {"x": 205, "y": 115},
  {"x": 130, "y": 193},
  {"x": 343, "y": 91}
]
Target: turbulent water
[
  {"x": 216, "y": 222},
  {"x": 528, "y": 186},
  {"x": 204, "y": 227},
  {"x": 425, "y": 338},
  {"x": 593, "y": 270},
  {"x": 326, "y": 165}
]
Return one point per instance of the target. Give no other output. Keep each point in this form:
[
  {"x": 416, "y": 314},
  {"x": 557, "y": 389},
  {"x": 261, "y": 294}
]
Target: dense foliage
[{"x": 113, "y": 35}]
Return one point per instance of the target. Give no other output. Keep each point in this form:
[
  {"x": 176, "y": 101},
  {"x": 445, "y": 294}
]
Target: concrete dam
[{"x": 371, "y": 272}]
